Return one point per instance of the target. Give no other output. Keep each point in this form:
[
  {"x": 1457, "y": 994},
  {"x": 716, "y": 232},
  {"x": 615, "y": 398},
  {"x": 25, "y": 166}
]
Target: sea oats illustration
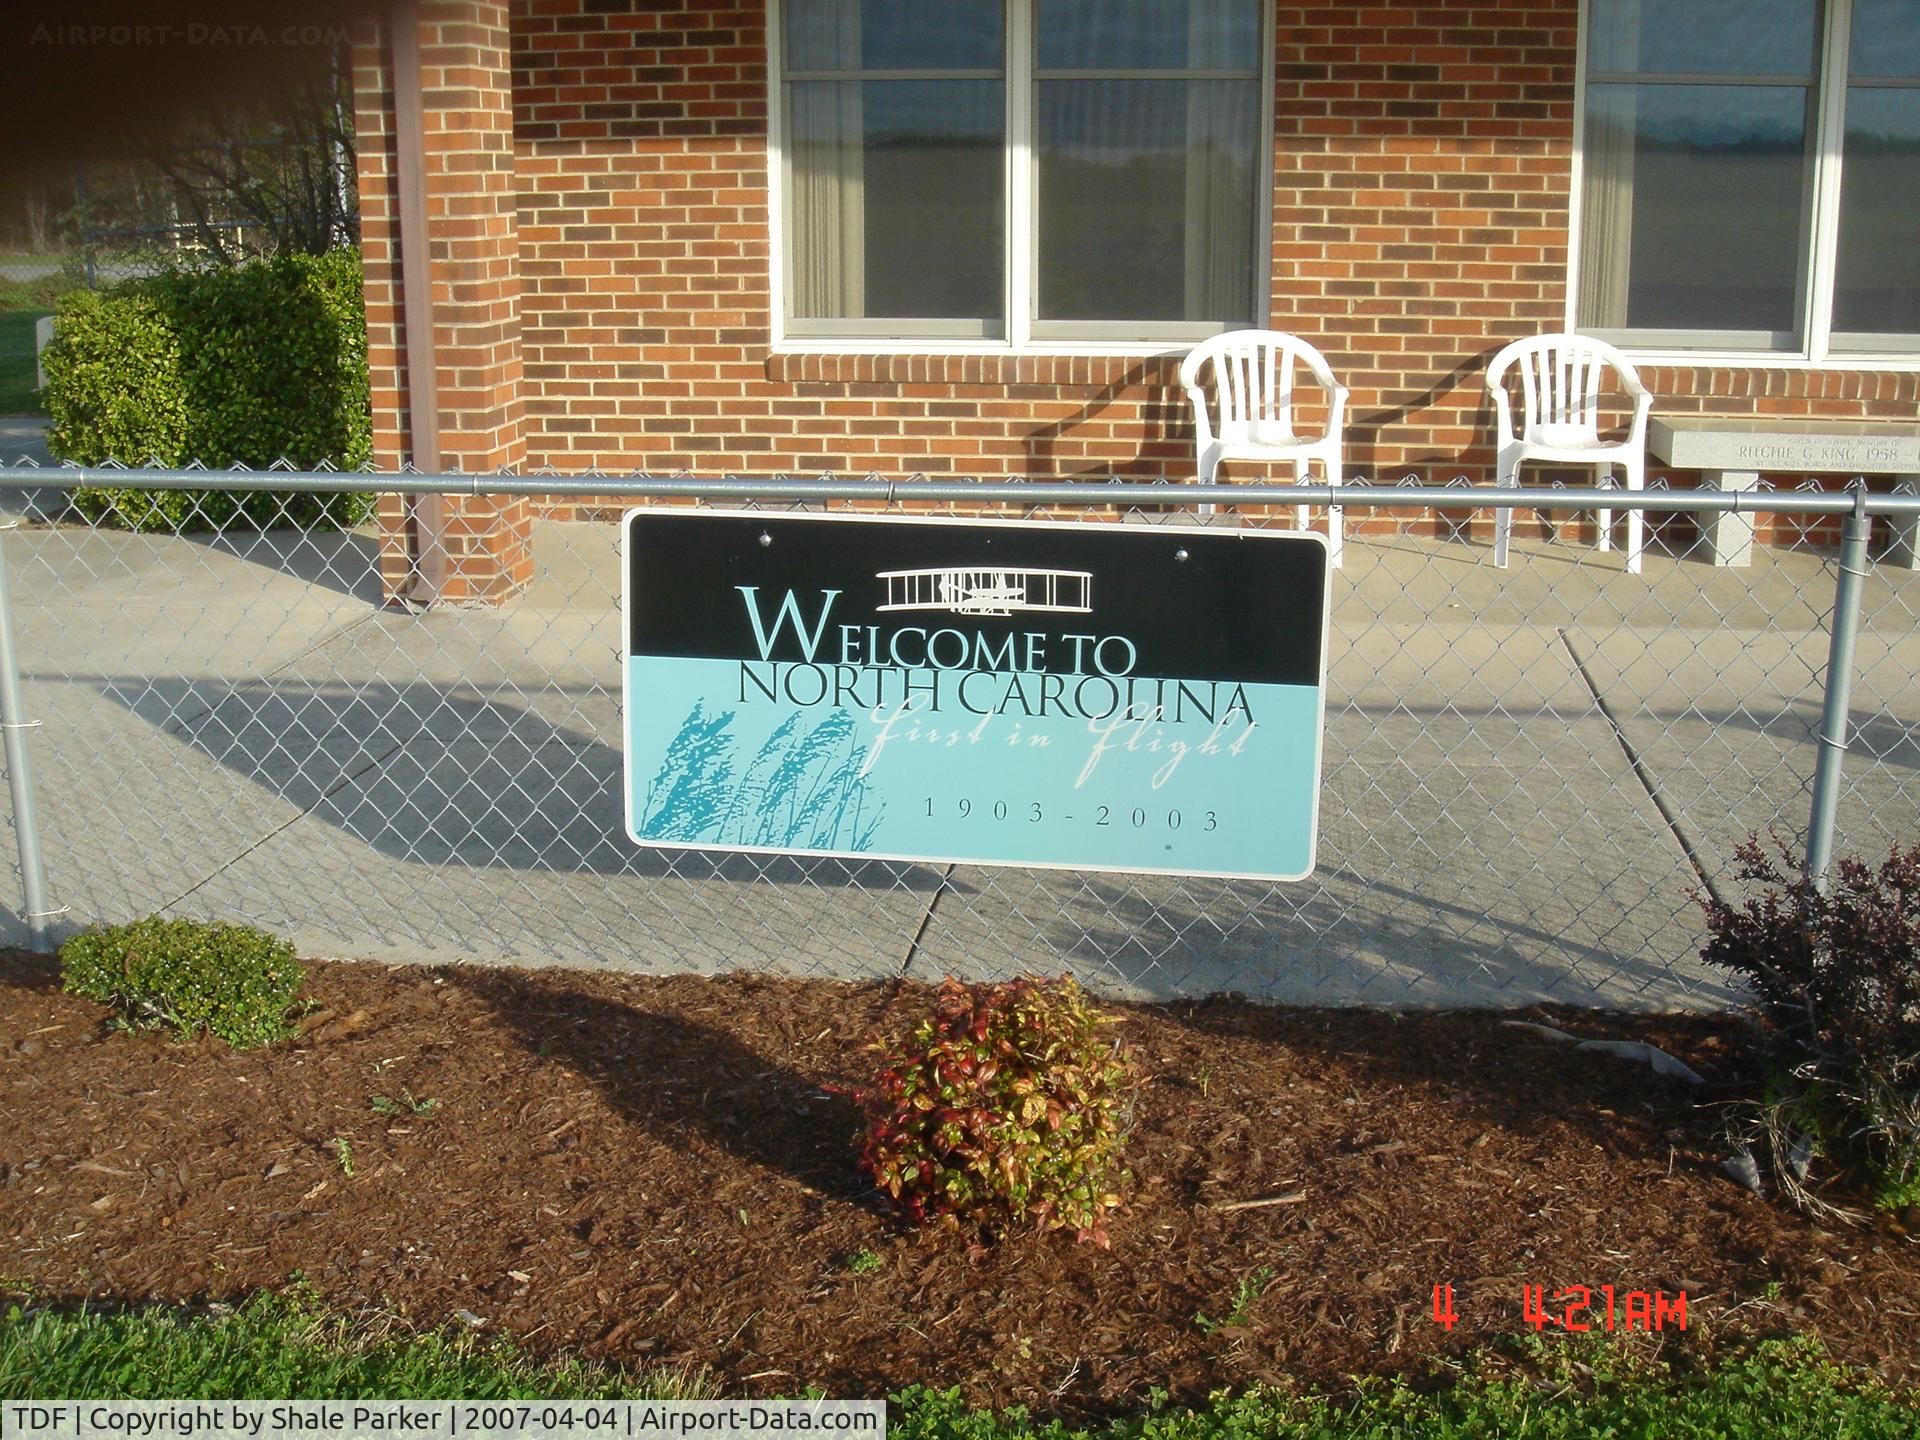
[
  {"x": 747, "y": 794},
  {"x": 777, "y": 816},
  {"x": 846, "y": 796},
  {"x": 797, "y": 805},
  {"x": 802, "y": 789},
  {"x": 836, "y": 742},
  {"x": 826, "y": 808},
  {"x": 689, "y": 794},
  {"x": 867, "y": 814}
]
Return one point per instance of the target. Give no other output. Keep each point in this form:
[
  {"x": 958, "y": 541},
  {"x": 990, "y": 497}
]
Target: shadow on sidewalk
[{"x": 522, "y": 782}]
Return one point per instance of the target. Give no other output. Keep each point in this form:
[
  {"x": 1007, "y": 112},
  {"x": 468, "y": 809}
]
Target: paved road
[
  {"x": 23, "y": 441},
  {"x": 30, "y": 267},
  {"x": 1525, "y": 772}
]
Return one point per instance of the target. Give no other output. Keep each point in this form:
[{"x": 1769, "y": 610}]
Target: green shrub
[
  {"x": 246, "y": 367},
  {"x": 113, "y": 380},
  {"x": 236, "y": 982},
  {"x": 1838, "y": 980},
  {"x": 1005, "y": 1106}
]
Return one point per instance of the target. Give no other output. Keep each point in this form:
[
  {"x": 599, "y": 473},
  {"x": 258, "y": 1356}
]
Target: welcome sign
[{"x": 1094, "y": 697}]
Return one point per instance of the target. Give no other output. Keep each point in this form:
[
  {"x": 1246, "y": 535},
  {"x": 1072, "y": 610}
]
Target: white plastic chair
[
  {"x": 1560, "y": 387},
  {"x": 1253, "y": 383}
]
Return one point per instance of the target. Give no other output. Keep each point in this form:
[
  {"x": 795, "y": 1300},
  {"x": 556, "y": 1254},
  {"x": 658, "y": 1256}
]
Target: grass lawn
[
  {"x": 275, "y": 1348},
  {"x": 17, "y": 395}
]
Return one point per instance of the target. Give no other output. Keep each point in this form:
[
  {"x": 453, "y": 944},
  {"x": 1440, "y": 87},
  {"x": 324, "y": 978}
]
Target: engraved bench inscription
[{"x": 1732, "y": 451}]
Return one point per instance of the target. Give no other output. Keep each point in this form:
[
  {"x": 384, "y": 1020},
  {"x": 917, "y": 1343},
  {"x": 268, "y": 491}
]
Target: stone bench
[{"x": 1733, "y": 451}]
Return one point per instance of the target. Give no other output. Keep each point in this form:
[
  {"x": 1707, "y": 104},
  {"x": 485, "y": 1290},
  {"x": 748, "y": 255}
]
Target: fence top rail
[{"x": 1124, "y": 493}]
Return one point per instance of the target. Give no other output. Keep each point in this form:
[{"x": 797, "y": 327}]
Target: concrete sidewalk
[
  {"x": 23, "y": 441},
  {"x": 1525, "y": 771}
]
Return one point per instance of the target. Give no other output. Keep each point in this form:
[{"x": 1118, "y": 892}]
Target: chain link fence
[
  {"x": 105, "y": 257},
  {"x": 86, "y": 267},
  {"x": 1526, "y": 770},
  {"x": 22, "y": 268}
]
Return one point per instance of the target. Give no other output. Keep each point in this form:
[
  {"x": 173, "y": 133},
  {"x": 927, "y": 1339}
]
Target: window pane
[
  {"x": 1886, "y": 38},
  {"x": 1146, "y": 199},
  {"x": 1877, "y": 276},
  {"x": 1148, "y": 34},
  {"x": 894, "y": 34},
  {"x": 1694, "y": 206},
  {"x": 897, "y": 198},
  {"x": 1702, "y": 37}
]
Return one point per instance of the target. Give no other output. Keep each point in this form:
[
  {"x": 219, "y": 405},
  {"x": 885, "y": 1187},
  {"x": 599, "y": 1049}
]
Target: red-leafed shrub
[
  {"x": 1008, "y": 1105},
  {"x": 1837, "y": 975}
]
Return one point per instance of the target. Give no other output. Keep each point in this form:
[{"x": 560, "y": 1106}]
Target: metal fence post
[
  {"x": 26, "y": 825},
  {"x": 1833, "y": 721}
]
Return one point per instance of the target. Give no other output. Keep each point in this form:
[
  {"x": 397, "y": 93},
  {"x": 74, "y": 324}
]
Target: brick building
[{"x": 974, "y": 237}]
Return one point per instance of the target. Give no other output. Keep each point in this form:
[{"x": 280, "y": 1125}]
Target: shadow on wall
[
  {"x": 1364, "y": 431},
  {"x": 1167, "y": 446}
]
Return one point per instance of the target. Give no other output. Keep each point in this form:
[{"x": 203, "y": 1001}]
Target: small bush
[
  {"x": 1838, "y": 979},
  {"x": 247, "y": 366},
  {"x": 1005, "y": 1106},
  {"x": 238, "y": 983},
  {"x": 113, "y": 380}
]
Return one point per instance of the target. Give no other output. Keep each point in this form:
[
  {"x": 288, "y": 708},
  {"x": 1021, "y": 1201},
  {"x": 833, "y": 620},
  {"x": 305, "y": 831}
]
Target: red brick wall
[
  {"x": 1421, "y": 188},
  {"x": 472, "y": 549},
  {"x": 1421, "y": 164},
  {"x": 373, "y": 127}
]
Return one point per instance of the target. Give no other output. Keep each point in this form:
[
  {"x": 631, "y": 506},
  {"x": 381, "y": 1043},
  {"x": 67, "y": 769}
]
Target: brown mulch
[{"x": 649, "y": 1171}]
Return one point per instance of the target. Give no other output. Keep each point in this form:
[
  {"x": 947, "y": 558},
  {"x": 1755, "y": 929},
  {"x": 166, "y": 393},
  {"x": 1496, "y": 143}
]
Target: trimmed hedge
[{"x": 244, "y": 367}]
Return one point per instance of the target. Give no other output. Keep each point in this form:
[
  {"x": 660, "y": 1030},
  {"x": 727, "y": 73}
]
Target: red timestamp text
[{"x": 1602, "y": 1307}]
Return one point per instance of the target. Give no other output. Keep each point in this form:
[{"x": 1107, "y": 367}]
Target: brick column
[{"x": 446, "y": 548}]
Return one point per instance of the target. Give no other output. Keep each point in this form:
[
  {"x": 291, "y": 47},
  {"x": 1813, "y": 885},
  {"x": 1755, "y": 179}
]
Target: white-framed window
[
  {"x": 1020, "y": 172},
  {"x": 1747, "y": 173}
]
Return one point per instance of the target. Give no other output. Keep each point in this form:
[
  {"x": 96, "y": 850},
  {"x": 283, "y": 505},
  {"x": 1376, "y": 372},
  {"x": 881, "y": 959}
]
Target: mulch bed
[{"x": 650, "y": 1171}]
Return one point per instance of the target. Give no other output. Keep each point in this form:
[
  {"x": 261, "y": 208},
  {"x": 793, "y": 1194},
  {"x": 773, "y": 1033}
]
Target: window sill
[
  {"x": 1891, "y": 362},
  {"x": 990, "y": 367},
  {"x": 850, "y": 345}
]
